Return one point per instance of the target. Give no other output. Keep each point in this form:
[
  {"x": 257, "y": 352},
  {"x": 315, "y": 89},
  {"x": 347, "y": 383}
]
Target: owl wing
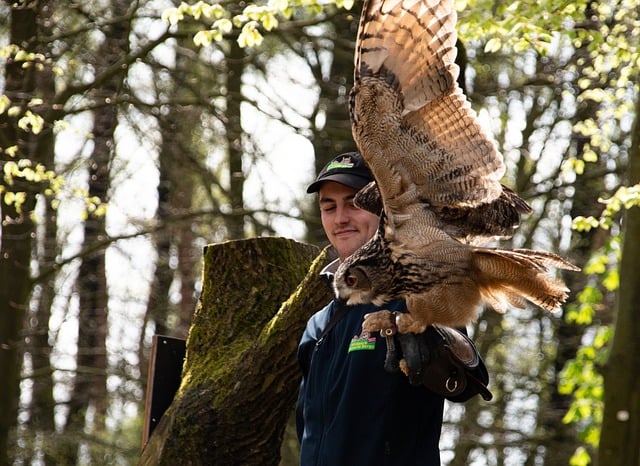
[{"x": 412, "y": 123}]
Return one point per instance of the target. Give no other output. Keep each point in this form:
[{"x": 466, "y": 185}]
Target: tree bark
[
  {"x": 234, "y": 136},
  {"x": 90, "y": 384},
  {"x": 41, "y": 422},
  {"x": 620, "y": 432},
  {"x": 17, "y": 226},
  {"x": 40, "y": 408},
  {"x": 241, "y": 376}
]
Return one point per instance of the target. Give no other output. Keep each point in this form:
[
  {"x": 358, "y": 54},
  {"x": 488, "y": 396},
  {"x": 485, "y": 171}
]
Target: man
[{"x": 351, "y": 410}]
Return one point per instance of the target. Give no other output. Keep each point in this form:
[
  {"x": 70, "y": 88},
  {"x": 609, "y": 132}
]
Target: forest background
[{"x": 127, "y": 146}]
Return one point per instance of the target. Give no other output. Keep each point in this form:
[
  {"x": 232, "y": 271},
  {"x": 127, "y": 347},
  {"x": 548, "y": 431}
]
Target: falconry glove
[{"x": 443, "y": 359}]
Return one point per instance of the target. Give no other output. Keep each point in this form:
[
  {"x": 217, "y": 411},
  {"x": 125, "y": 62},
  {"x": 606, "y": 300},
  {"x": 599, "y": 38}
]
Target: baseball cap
[{"x": 348, "y": 169}]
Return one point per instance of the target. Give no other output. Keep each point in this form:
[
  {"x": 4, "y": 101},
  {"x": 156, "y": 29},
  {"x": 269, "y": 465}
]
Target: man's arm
[{"x": 316, "y": 325}]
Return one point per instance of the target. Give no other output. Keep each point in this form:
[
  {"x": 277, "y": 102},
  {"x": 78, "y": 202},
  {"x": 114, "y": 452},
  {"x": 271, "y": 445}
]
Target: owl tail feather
[{"x": 507, "y": 278}]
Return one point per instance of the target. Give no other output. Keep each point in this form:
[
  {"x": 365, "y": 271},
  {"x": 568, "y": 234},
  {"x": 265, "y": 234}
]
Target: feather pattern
[{"x": 437, "y": 180}]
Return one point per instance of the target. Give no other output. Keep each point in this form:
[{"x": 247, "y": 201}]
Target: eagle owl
[{"x": 437, "y": 177}]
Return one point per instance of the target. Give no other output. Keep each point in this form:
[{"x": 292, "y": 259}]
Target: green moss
[
  {"x": 240, "y": 304},
  {"x": 280, "y": 320},
  {"x": 240, "y": 367}
]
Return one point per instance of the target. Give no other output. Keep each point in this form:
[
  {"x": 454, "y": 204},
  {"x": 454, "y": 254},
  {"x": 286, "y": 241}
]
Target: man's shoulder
[{"x": 317, "y": 322}]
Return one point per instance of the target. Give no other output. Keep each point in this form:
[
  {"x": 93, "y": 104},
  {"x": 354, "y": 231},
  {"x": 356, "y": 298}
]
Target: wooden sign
[{"x": 163, "y": 380}]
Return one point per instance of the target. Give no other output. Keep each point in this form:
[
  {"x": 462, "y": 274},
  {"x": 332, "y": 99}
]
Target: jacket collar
[{"x": 329, "y": 271}]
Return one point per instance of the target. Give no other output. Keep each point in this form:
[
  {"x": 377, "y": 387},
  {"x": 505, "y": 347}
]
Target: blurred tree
[
  {"x": 19, "y": 141},
  {"x": 37, "y": 95},
  {"x": 88, "y": 400},
  {"x": 40, "y": 425},
  {"x": 620, "y": 426}
]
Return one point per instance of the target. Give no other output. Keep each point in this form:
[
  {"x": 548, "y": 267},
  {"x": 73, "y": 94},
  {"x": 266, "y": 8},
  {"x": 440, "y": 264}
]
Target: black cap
[{"x": 348, "y": 169}]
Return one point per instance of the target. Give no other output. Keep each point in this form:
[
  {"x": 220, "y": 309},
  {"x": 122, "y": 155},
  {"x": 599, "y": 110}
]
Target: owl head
[{"x": 365, "y": 276}]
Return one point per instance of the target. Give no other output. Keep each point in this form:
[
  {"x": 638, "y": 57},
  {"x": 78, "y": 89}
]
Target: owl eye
[{"x": 351, "y": 280}]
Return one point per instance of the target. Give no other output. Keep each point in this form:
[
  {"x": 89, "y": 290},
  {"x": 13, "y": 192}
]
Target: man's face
[{"x": 346, "y": 226}]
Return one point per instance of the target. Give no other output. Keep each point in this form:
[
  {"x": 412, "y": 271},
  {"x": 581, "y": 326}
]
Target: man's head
[{"x": 346, "y": 226}]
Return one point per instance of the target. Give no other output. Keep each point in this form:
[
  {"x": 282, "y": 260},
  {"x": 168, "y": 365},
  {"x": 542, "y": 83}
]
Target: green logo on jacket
[{"x": 363, "y": 342}]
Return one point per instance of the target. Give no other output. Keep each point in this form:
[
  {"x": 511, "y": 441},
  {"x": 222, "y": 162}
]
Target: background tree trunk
[
  {"x": 38, "y": 346},
  {"x": 241, "y": 376},
  {"x": 90, "y": 385},
  {"x": 17, "y": 226},
  {"x": 234, "y": 136},
  {"x": 41, "y": 423},
  {"x": 621, "y": 419}
]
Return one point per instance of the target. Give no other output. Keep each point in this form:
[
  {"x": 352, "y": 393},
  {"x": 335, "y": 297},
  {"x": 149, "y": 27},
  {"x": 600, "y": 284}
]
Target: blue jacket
[{"x": 350, "y": 410}]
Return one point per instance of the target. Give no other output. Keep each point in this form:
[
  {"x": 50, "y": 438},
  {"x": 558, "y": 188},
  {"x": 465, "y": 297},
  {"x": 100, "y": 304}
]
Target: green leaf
[
  {"x": 581, "y": 223},
  {"x": 269, "y": 22},
  {"x": 31, "y": 121},
  {"x": 580, "y": 458},
  {"x": 5, "y": 103},
  {"x": 250, "y": 36},
  {"x": 493, "y": 45},
  {"x": 611, "y": 281},
  {"x": 521, "y": 46},
  {"x": 205, "y": 38},
  {"x": 346, "y": 4},
  {"x": 172, "y": 15}
]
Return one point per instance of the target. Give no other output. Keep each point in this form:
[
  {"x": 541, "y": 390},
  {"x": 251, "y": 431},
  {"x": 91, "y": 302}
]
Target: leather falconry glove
[{"x": 443, "y": 359}]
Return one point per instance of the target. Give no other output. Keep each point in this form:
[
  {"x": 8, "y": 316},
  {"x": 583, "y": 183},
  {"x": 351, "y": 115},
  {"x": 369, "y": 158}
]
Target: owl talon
[
  {"x": 405, "y": 323},
  {"x": 379, "y": 321}
]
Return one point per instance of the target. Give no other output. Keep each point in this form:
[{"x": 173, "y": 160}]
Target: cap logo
[{"x": 344, "y": 163}]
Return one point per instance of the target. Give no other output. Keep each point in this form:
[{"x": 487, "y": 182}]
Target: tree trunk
[
  {"x": 90, "y": 385},
  {"x": 41, "y": 422},
  {"x": 17, "y": 226},
  {"x": 176, "y": 239},
  {"x": 620, "y": 432},
  {"x": 241, "y": 376},
  {"x": 234, "y": 132}
]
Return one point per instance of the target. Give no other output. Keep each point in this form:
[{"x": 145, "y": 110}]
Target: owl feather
[{"x": 437, "y": 180}]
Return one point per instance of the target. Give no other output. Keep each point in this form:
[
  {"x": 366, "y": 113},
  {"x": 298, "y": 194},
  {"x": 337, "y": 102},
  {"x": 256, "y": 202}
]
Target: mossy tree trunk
[{"x": 240, "y": 376}]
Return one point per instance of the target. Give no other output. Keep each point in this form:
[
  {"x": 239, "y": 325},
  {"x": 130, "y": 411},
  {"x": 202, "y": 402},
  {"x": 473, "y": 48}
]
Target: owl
[{"x": 437, "y": 180}]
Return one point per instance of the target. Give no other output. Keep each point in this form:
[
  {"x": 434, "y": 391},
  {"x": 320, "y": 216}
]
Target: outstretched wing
[{"x": 414, "y": 126}]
